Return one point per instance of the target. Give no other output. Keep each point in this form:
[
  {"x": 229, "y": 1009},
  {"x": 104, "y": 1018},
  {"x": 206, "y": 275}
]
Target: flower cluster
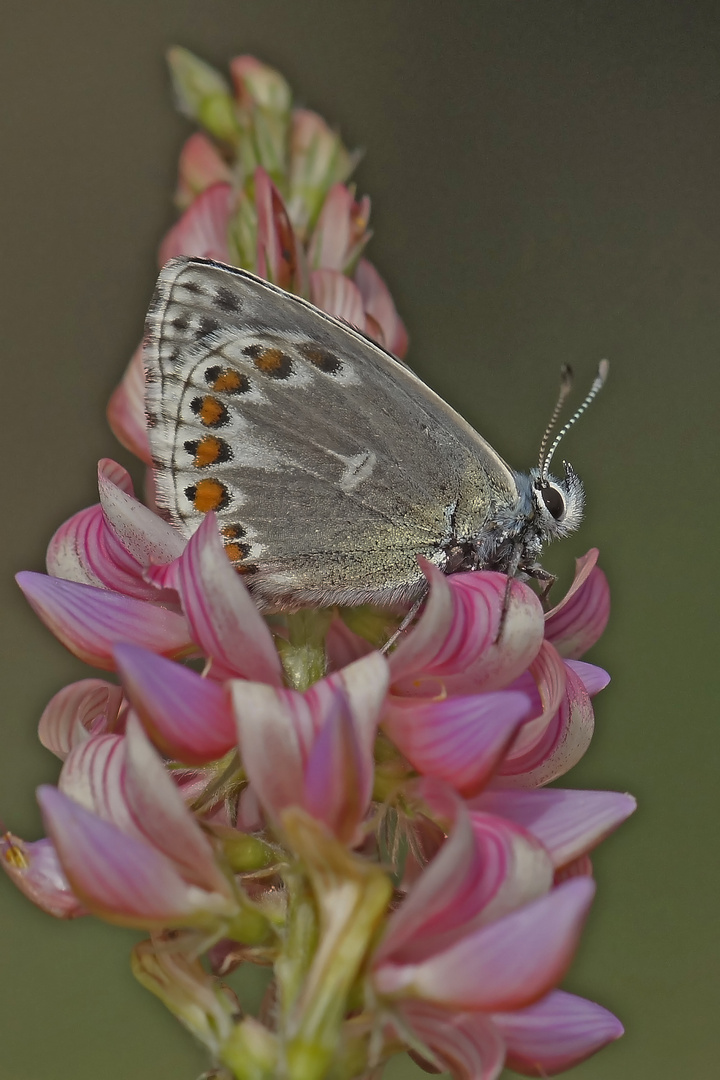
[{"x": 374, "y": 827}]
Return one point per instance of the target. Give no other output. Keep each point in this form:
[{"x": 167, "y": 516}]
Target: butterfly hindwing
[{"x": 330, "y": 465}]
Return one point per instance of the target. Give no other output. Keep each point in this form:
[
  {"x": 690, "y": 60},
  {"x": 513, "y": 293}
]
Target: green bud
[{"x": 203, "y": 94}]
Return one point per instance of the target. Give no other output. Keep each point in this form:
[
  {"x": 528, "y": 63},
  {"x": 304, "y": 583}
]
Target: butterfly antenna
[
  {"x": 594, "y": 390},
  {"x": 566, "y": 381}
]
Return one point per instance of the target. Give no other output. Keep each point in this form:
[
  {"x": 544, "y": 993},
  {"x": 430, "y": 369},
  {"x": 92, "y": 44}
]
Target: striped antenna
[
  {"x": 566, "y": 381},
  {"x": 595, "y": 389}
]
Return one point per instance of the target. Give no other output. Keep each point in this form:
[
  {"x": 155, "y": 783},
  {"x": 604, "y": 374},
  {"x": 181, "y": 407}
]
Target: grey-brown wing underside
[{"x": 330, "y": 465}]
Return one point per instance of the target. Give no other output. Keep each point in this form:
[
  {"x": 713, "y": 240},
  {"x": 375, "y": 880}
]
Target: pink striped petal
[
  {"x": 83, "y": 708},
  {"x": 458, "y": 629},
  {"x": 275, "y": 734},
  {"x": 35, "y": 869},
  {"x": 341, "y": 230},
  {"x": 336, "y": 788},
  {"x": 548, "y": 747},
  {"x": 93, "y": 775},
  {"x": 337, "y": 295},
  {"x": 378, "y": 304},
  {"x": 279, "y": 255},
  {"x": 569, "y": 823},
  {"x": 593, "y": 678},
  {"x": 119, "y": 877},
  {"x": 224, "y": 620},
  {"x": 126, "y": 410},
  {"x": 199, "y": 167},
  {"x": 202, "y": 231},
  {"x": 580, "y": 618},
  {"x": 461, "y": 739},
  {"x": 505, "y": 965},
  {"x": 555, "y": 1033},
  {"x": 140, "y": 532},
  {"x": 156, "y": 804},
  {"x": 83, "y": 550},
  {"x": 89, "y": 621},
  {"x": 468, "y": 1045},
  {"x": 187, "y": 717}
]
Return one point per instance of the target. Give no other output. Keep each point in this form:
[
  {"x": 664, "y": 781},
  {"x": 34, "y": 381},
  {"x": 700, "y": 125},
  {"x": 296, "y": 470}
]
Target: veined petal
[
  {"x": 279, "y": 256},
  {"x": 379, "y": 306},
  {"x": 202, "y": 231},
  {"x": 577, "y": 622},
  {"x": 458, "y": 630},
  {"x": 119, "y": 877},
  {"x": 460, "y": 739},
  {"x": 275, "y": 734},
  {"x": 504, "y": 965},
  {"x": 144, "y": 535},
  {"x": 90, "y": 621},
  {"x": 93, "y": 777},
  {"x": 341, "y": 230},
  {"x": 338, "y": 783},
  {"x": 126, "y": 410},
  {"x": 555, "y": 1033},
  {"x": 593, "y": 678},
  {"x": 85, "y": 551},
  {"x": 189, "y": 718},
  {"x": 224, "y": 620},
  {"x": 549, "y": 746},
  {"x": 468, "y": 1045},
  {"x": 35, "y": 869},
  {"x": 83, "y": 708},
  {"x": 200, "y": 166},
  {"x": 336, "y": 294},
  {"x": 157, "y": 805},
  {"x": 569, "y": 823}
]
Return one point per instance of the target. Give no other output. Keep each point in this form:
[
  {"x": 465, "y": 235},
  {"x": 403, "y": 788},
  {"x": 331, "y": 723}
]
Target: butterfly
[{"x": 329, "y": 464}]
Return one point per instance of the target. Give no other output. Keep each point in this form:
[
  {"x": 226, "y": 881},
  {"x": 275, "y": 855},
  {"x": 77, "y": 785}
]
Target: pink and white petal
[
  {"x": 224, "y": 620},
  {"x": 593, "y": 678},
  {"x": 275, "y": 733},
  {"x": 568, "y": 823},
  {"x": 119, "y": 877},
  {"x": 337, "y": 295},
  {"x": 458, "y": 631},
  {"x": 468, "y": 1045},
  {"x": 364, "y": 685},
  {"x": 35, "y": 869},
  {"x": 144, "y": 535},
  {"x": 343, "y": 645},
  {"x": 378, "y": 303},
  {"x": 83, "y": 708},
  {"x": 447, "y": 895},
  {"x": 90, "y": 621},
  {"x": 555, "y": 1033},
  {"x": 338, "y": 783},
  {"x": 331, "y": 239},
  {"x": 460, "y": 740},
  {"x": 93, "y": 776},
  {"x": 202, "y": 231},
  {"x": 579, "y": 620},
  {"x": 505, "y": 965},
  {"x": 158, "y": 808},
  {"x": 580, "y": 867},
  {"x": 279, "y": 255},
  {"x": 547, "y": 748},
  {"x": 187, "y": 717},
  {"x": 199, "y": 167},
  {"x": 126, "y": 409}
]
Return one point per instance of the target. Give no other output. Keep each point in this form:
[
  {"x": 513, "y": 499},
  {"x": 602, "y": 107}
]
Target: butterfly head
[{"x": 557, "y": 504}]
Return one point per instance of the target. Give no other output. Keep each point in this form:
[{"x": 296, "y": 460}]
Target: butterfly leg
[{"x": 405, "y": 623}]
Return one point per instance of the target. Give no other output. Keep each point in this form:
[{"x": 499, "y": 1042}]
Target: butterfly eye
[{"x": 554, "y": 502}]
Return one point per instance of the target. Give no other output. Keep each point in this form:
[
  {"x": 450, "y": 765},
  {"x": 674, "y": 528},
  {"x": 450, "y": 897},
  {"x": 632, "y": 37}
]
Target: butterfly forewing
[{"x": 329, "y": 464}]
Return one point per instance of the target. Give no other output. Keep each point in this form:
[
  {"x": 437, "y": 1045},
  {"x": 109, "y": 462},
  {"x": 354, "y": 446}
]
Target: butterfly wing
[{"x": 329, "y": 464}]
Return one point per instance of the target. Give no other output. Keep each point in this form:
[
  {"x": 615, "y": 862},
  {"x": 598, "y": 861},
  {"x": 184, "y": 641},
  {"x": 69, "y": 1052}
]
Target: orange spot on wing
[{"x": 209, "y": 495}]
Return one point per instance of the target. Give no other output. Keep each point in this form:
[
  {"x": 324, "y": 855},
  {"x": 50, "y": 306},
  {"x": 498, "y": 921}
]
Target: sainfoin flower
[{"x": 376, "y": 827}]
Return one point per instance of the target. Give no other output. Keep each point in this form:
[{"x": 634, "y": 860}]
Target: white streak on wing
[{"x": 358, "y": 468}]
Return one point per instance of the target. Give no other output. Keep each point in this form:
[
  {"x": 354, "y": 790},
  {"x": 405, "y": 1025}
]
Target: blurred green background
[{"x": 544, "y": 178}]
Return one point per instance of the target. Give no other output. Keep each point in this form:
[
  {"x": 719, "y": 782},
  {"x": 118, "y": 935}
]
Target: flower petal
[
  {"x": 461, "y": 739},
  {"x": 189, "y": 718},
  {"x": 458, "y": 630},
  {"x": 469, "y": 1046},
  {"x": 199, "y": 167},
  {"x": 378, "y": 304},
  {"x": 119, "y": 877},
  {"x": 35, "y": 869},
  {"x": 333, "y": 292},
  {"x": 126, "y": 409},
  {"x": 90, "y": 621},
  {"x": 202, "y": 231},
  {"x": 578, "y": 621},
  {"x": 569, "y": 823},
  {"x": 504, "y": 965},
  {"x": 144, "y": 535},
  {"x": 87, "y": 707},
  {"x": 280, "y": 258},
  {"x": 555, "y": 1033},
  {"x": 224, "y": 619}
]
